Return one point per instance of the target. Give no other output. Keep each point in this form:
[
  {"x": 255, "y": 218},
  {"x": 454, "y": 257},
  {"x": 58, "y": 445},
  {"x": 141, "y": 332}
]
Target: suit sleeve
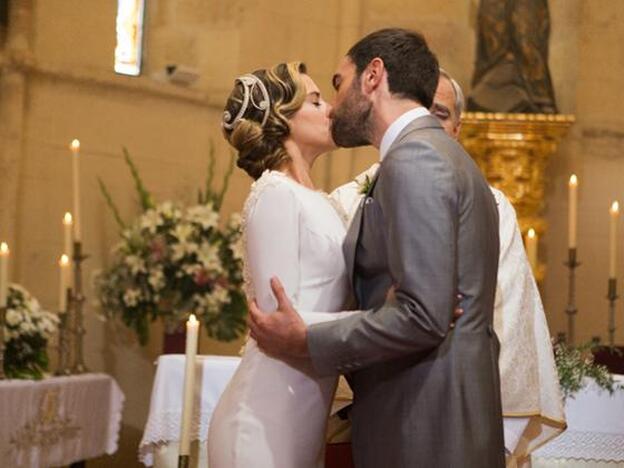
[{"x": 418, "y": 196}]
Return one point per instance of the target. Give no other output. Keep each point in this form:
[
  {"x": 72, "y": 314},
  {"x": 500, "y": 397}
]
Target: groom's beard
[{"x": 350, "y": 125}]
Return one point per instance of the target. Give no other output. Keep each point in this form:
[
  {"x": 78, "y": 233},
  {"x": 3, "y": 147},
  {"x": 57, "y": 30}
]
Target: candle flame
[
  {"x": 64, "y": 261},
  {"x": 615, "y": 208},
  {"x": 4, "y": 249},
  {"x": 192, "y": 319},
  {"x": 573, "y": 180},
  {"x": 531, "y": 233},
  {"x": 67, "y": 219},
  {"x": 75, "y": 145}
]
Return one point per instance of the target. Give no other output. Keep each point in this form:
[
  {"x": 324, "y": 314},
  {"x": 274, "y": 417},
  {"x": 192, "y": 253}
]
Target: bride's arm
[{"x": 270, "y": 251}]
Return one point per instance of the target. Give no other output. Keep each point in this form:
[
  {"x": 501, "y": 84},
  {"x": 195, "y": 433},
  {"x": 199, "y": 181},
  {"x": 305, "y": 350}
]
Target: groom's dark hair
[{"x": 413, "y": 69}]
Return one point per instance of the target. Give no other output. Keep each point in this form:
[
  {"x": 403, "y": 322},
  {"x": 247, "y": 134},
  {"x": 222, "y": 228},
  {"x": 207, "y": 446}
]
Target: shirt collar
[{"x": 397, "y": 127}]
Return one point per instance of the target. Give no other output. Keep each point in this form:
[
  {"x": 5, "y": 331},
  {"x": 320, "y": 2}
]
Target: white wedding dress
[{"x": 274, "y": 414}]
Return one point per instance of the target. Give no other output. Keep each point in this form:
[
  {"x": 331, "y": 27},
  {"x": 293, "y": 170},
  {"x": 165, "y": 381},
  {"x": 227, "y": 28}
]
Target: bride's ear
[{"x": 373, "y": 75}]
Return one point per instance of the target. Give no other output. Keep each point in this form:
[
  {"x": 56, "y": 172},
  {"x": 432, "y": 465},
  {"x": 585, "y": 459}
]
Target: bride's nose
[{"x": 328, "y": 111}]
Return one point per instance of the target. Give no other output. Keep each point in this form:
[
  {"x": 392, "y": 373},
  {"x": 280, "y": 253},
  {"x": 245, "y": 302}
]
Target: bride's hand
[{"x": 282, "y": 333}]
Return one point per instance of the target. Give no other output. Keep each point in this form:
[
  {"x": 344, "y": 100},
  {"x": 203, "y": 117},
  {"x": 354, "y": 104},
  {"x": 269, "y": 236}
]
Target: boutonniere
[{"x": 364, "y": 184}]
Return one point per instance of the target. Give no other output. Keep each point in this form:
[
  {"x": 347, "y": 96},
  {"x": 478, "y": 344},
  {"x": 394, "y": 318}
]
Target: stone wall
[{"x": 57, "y": 83}]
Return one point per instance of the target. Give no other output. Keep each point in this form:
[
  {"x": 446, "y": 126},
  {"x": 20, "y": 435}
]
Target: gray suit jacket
[{"x": 424, "y": 396}]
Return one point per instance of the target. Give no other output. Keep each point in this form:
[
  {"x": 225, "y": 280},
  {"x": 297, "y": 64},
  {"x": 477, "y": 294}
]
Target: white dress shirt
[{"x": 397, "y": 127}]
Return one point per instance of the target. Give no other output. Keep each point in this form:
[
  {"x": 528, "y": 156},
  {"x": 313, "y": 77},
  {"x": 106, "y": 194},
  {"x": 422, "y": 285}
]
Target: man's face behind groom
[{"x": 351, "y": 110}]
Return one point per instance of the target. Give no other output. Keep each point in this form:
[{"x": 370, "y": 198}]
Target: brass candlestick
[
  {"x": 77, "y": 304},
  {"x": 571, "y": 310},
  {"x": 612, "y": 296},
  {"x": 3, "y": 311},
  {"x": 63, "y": 339}
]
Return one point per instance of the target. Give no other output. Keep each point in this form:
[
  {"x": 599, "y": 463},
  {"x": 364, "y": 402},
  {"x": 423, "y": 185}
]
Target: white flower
[
  {"x": 220, "y": 295},
  {"x": 168, "y": 210},
  {"x": 191, "y": 269},
  {"x": 208, "y": 256},
  {"x": 235, "y": 220},
  {"x": 150, "y": 220},
  {"x": 131, "y": 297},
  {"x": 27, "y": 327},
  {"x": 238, "y": 249},
  {"x": 178, "y": 251},
  {"x": 136, "y": 264},
  {"x": 183, "y": 231},
  {"x": 204, "y": 215},
  {"x": 211, "y": 301},
  {"x": 156, "y": 279},
  {"x": 13, "y": 317}
]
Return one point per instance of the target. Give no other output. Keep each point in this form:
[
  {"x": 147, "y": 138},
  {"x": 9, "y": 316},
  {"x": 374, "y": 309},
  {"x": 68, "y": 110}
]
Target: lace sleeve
[{"x": 271, "y": 236}]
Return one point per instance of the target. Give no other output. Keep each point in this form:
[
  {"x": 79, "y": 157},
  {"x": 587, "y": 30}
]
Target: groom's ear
[{"x": 373, "y": 75}]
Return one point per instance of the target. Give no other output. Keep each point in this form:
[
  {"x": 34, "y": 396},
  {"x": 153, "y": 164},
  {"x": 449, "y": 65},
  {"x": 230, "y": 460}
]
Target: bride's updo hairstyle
[{"x": 255, "y": 119}]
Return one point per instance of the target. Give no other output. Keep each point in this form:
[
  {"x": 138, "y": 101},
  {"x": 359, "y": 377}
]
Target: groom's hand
[{"x": 282, "y": 333}]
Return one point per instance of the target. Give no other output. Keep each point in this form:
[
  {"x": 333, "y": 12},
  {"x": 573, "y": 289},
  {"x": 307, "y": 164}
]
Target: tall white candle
[
  {"x": 572, "y": 210},
  {"x": 531, "y": 249},
  {"x": 192, "y": 328},
  {"x": 614, "y": 212},
  {"x": 64, "y": 276},
  {"x": 4, "y": 273},
  {"x": 67, "y": 234},
  {"x": 75, "y": 149}
]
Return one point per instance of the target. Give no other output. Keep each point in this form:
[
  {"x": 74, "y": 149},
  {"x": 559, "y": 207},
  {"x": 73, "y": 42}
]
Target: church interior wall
[{"x": 63, "y": 87}]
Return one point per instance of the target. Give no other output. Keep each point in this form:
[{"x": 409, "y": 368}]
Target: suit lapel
[{"x": 353, "y": 234}]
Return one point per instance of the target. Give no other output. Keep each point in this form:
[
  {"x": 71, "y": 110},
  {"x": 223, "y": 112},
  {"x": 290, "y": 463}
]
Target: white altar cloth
[
  {"x": 595, "y": 434},
  {"x": 59, "y": 420},
  {"x": 212, "y": 374}
]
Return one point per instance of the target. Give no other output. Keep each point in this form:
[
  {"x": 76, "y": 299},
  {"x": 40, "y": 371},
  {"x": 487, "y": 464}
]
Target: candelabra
[
  {"x": 63, "y": 339},
  {"x": 2, "y": 320},
  {"x": 571, "y": 310},
  {"x": 612, "y": 296},
  {"x": 77, "y": 304}
]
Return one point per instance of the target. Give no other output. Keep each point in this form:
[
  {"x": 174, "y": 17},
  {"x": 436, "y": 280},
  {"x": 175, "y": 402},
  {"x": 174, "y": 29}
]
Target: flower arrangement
[
  {"x": 175, "y": 260},
  {"x": 27, "y": 329},
  {"x": 574, "y": 364}
]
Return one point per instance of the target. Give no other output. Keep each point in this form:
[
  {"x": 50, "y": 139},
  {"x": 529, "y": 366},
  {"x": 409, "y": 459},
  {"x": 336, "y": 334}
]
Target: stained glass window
[{"x": 129, "y": 36}]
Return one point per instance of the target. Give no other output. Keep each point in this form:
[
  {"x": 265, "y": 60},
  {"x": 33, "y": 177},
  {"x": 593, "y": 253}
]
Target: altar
[
  {"x": 595, "y": 434},
  {"x": 59, "y": 420}
]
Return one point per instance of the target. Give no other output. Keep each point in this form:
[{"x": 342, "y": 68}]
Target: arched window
[{"x": 129, "y": 28}]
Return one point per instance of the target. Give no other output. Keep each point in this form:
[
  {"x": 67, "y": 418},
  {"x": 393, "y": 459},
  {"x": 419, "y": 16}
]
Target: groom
[{"x": 425, "y": 395}]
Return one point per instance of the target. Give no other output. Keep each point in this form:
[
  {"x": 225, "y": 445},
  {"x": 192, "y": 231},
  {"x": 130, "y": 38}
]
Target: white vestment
[{"x": 531, "y": 397}]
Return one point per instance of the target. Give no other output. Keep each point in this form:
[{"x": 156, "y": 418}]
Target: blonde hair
[{"x": 261, "y": 146}]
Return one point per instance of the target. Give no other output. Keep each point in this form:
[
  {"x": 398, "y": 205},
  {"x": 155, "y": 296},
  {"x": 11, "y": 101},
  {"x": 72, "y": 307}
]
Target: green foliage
[{"x": 575, "y": 364}]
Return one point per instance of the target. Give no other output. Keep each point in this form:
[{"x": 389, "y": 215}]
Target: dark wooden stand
[{"x": 338, "y": 456}]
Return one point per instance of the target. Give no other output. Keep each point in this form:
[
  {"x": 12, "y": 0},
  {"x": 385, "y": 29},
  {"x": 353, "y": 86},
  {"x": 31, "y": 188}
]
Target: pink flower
[
  {"x": 201, "y": 278},
  {"x": 158, "y": 248}
]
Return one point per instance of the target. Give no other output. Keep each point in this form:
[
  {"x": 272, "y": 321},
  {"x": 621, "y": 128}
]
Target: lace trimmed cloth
[
  {"x": 163, "y": 423},
  {"x": 59, "y": 420},
  {"x": 595, "y": 427}
]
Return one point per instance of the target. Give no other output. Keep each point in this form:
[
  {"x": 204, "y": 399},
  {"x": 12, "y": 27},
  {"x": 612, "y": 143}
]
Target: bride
[{"x": 274, "y": 414}]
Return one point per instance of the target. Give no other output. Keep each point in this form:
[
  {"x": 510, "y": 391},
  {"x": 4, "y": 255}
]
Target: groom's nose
[{"x": 330, "y": 110}]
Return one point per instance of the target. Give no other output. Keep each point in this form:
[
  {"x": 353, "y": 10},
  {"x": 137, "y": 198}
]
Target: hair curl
[{"x": 262, "y": 147}]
